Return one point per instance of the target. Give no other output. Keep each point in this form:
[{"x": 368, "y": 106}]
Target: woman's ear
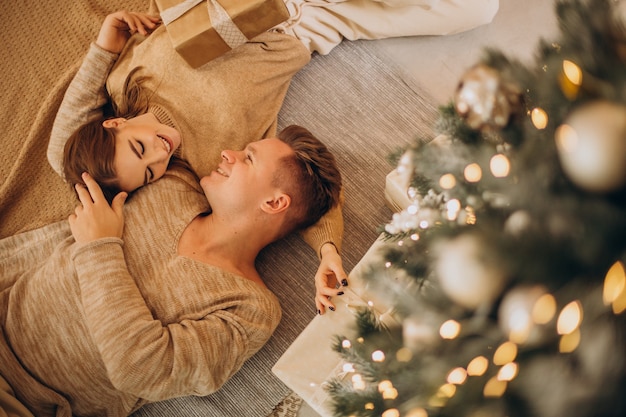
[
  {"x": 112, "y": 123},
  {"x": 278, "y": 203}
]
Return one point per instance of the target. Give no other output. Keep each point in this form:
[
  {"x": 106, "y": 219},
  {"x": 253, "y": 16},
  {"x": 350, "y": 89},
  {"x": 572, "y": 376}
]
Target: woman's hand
[
  {"x": 119, "y": 26},
  {"x": 94, "y": 218},
  {"x": 329, "y": 274}
]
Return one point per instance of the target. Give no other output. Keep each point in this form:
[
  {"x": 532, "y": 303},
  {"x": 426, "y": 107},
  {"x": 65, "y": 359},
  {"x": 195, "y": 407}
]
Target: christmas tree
[{"x": 505, "y": 275}]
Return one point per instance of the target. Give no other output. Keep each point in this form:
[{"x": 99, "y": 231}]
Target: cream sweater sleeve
[{"x": 82, "y": 102}]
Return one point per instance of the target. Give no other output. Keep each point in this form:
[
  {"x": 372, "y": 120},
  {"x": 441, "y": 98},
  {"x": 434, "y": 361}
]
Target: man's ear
[
  {"x": 278, "y": 203},
  {"x": 112, "y": 123}
]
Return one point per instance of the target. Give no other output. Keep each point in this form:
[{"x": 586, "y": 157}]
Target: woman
[{"x": 167, "y": 110}]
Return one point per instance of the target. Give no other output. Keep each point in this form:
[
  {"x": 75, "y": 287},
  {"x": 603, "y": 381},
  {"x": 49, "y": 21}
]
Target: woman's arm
[
  {"x": 86, "y": 94},
  {"x": 82, "y": 102},
  {"x": 325, "y": 237}
]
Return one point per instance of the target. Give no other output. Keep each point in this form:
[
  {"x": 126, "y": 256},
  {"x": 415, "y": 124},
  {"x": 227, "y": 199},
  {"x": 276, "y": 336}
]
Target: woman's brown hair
[{"x": 91, "y": 148}]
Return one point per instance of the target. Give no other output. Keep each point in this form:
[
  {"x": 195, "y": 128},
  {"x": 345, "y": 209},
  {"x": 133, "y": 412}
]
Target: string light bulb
[
  {"x": 573, "y": 72},
  {"x": 570, "y": 317},
  {"x": 357, "y": 382},
  {"x": 500, "y": 166},
  {"x": 447, "y": 181},
  {"x": 539, "y": 117},
  {"x": 392, "y": 412},
  {"x": 378, "y": 356},
  {"x": 508, "y": 372},
  {"x": 569, "y": 342},
  {"x": 614, "y": 290},
  {"x": 505, "y": 353},
  {"x": 571, "y": 79},
  {"x": 544, "y": 309},
  {"x": 494, "y": 388},
  {"x": 450, "y": 329},
  {"x": 457, "y": 376},
  {"x": 473, "y": 173},
  {"x": 477, "y": 366}
]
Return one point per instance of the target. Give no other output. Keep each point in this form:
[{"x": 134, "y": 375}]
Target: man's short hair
[{"x": 310, "y": 177}]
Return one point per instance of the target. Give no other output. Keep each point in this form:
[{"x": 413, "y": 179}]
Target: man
[{"x": 159, "y": 298}]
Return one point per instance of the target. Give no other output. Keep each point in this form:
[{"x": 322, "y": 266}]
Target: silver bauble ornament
[
  {"x": 515, "y": 314},
  {"x": 591, "y": 146},
  {"x": 485, "y": 100},
  {"x": 418, "y": 333},
  {"x": 518, "y": 222},
  {"x": 467, "y": 273}
]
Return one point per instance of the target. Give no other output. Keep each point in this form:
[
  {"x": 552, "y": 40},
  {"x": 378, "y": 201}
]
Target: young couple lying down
[{"x": 181, "y": 180}]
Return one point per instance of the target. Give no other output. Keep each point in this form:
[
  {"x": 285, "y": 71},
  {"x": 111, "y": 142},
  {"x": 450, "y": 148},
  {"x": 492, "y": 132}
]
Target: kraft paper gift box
[{"x": 202, "y": 30}]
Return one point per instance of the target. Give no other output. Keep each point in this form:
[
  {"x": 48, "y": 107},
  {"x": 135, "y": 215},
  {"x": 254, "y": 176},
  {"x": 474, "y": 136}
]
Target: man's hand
[
  {"x": 329, "y": 274},
  {"x": 119, "y": 26},
  {"x": 94, "y": 219}
]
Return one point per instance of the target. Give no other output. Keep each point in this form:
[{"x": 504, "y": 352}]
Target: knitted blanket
[
  {"x": 43, "y": 43},
  {"x": 352, "y": 99}
]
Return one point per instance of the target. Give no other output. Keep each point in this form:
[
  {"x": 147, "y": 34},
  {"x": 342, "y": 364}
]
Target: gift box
[
  {"x": 202, "y": 30},
  {"x": 396, "y": 191},
  {"x": 397, "y": 184}
]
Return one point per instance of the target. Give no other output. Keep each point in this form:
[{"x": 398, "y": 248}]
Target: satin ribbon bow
[{"x": 220, "y": 20}]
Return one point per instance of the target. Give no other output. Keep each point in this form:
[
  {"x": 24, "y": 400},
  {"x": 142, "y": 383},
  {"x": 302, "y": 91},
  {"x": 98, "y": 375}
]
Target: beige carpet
[{"x": 352, "y": 99}]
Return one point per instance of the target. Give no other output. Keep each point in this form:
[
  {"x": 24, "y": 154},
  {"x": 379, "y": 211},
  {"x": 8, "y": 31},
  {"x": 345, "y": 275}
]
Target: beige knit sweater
[
  {"x": 224, "y": 104},
  {"x": 102, "y": 328}
]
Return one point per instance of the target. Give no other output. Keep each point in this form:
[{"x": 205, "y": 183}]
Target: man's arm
[{"x": 142, "y": 355}]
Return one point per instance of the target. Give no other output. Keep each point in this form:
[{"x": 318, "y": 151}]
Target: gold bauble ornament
[
  {"x": 485, "y": 99},
  {"x": 467, "y": 273},
  {"x": 591, "y": 146},
  {"x": 516, "y": 314},
  {"x": 418, "y": 333}
]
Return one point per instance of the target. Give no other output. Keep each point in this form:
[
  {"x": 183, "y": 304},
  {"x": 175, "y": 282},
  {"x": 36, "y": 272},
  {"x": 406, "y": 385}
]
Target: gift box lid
[{"x": 196, "y": 39}]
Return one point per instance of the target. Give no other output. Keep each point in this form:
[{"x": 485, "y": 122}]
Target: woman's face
[{"x": 143, "y": 149}]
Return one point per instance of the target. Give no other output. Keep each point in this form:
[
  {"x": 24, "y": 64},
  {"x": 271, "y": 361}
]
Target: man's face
[{"x": 243, "y": 179}]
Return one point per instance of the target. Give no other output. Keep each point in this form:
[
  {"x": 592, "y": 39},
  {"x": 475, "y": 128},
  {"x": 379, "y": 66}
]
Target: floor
[{"x": 435, "y": 64}]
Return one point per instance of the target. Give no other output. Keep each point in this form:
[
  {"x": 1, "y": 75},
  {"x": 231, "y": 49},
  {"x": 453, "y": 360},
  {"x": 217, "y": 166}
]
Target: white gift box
[
  {"x": 397, "y": 184},
  {"x": 396, "y": 191},
  {"x": 311, "y": 361}
]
